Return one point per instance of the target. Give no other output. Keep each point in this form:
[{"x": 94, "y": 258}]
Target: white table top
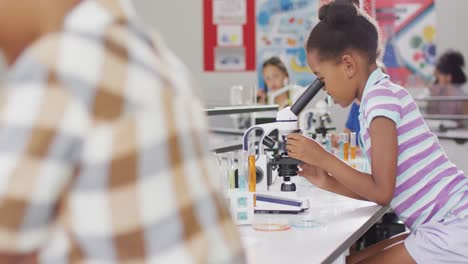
[
  {"x": 343, "y": 221},
  {"x": 453, "y": 134}
]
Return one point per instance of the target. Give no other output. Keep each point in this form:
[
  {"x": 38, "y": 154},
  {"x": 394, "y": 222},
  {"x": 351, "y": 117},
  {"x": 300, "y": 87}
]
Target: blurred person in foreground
[{"x": 103, "y": 154}]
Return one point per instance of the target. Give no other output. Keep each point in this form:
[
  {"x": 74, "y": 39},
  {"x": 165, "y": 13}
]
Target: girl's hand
[
  {"x": 313, "y": 174},
  {"x": 305, "y": 149}
]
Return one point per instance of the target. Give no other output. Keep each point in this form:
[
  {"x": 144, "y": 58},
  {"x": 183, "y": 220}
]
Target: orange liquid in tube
[
  {"x": 252, "y": 174},
  {"x": 345, "y": 151},
  {"x": 345, "y": 146},
  {"x": 353, "y": 145},
  {"x": 252, "y": 177}
]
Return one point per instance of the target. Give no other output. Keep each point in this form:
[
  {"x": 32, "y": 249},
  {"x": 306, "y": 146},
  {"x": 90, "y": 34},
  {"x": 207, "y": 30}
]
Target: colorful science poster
[
  {"x": 282, "y": 30},
  {"x": 408, "y": 28}
]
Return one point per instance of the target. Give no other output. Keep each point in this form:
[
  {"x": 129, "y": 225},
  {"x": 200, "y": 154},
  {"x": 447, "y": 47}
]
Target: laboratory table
[{"x": 337, "y": 222}]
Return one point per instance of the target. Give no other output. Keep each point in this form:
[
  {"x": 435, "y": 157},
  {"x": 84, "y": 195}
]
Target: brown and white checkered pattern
[{"x": 102, "y": 150}]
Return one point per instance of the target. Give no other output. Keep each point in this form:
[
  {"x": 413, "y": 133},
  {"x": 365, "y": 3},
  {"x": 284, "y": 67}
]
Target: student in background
[
  {"x": 410, "y": 171},
  {"x": 276, "y": 76},
  {"x": 449, "y": 81},
  {"x": 102, "y": 143}
]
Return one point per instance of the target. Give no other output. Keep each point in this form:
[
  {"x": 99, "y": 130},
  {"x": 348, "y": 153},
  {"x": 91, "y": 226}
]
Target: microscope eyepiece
[{"x": 307, "y": 96}]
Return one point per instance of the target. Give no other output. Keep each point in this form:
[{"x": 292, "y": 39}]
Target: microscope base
[{"x": 280, "y": 202}]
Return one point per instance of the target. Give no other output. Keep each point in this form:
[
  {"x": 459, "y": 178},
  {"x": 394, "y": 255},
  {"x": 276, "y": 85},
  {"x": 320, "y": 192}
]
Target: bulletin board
[
  {"x": 282, "y": 30},
  {"x": 229, "y": 35},
  {"x": 408, "y": 28}
]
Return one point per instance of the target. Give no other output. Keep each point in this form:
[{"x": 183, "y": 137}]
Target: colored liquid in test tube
[
  {"x": 243, "y": 170},
  {"x": 252, "y": 168},
  {"x": 252, "y": 174},
  {"x": 352, "y": 142},
  {"x": 232, "y": 178},
  {"x": 328, "y": 142},
  {"x": 345, "y": 146},
  {"x": 253, "y": 178}
]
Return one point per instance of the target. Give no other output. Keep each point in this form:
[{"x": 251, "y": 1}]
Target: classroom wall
[
  {"x": 180, "y": 22},
  {"x": 451, "y": 24}
]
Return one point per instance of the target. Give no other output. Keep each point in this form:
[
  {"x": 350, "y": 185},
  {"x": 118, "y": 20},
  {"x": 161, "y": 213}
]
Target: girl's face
[
  {"x": 335, "y": 75},
  {"x": 442, "y": 79},
  {"x": 274, "y": 78}
]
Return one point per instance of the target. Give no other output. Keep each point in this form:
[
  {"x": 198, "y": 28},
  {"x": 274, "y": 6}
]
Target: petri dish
[
  {"x": 307, "y": 223},
  {"x": 271, "y": 227}
]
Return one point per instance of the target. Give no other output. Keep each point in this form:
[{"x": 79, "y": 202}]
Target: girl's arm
[
  {"x": 324, "y": 180},
  {"x": 333, "y": 185},
  {"x": 379, "y": 186}
]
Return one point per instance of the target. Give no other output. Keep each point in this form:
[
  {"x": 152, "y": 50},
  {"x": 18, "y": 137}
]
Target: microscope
[
  {"x": 316, "y": 121},
  {"x": 286, "y": 123}
]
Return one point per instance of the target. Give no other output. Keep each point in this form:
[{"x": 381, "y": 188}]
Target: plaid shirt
[{"x": 102, "y": 154}]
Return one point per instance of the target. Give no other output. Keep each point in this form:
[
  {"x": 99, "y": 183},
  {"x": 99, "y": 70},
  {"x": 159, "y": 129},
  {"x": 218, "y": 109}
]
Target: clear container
[
  {"x": 328, "y": 142},
  {"x": 243, "y": 171},
  {"x": 319, "y": 139}
]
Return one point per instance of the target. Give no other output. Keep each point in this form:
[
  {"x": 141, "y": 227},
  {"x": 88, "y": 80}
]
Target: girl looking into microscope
[{"x": 409, "y": 169}]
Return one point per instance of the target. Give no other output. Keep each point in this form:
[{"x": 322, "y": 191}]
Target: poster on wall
[
  {"x": 282, "y": 29},
  {"x": 229, "y": 35},
  {"x": 229, "y": 12},
  {"x": 408, "y": 29}
]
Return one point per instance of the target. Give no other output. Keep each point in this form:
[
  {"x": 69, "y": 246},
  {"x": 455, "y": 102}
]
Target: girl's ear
[{"x": 350, "y": 65}]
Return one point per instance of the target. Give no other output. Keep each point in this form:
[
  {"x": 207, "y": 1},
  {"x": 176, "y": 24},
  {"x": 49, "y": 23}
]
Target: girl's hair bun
[{"x": 339, "y": 14}]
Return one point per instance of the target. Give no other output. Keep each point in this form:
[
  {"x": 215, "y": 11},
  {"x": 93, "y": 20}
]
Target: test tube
[
  {"x": 345, "y": 146},
  {"x": 252, "y": 168},
  {"x": 319, "y": 139},
  {"x": 341, "y": 146},
  {"x": 252, "y": 174},
  {"x": 232, "y": 172},
  {"x": 353, "y": 145},
  {"x": 253, "y": 177},
  {"x": 223, "y": 163},
  {"x": 243, "y": 170},
  {"x": 328, "y": 143}
]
